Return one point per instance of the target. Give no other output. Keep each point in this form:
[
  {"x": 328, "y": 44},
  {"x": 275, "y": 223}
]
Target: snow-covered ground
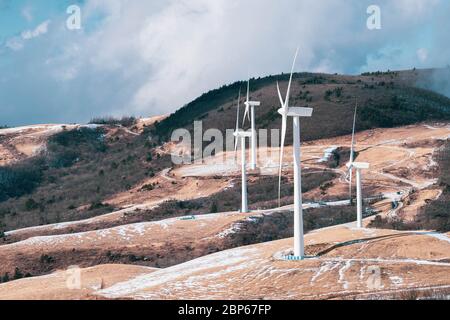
[
  {"x": 437, "y": 235},
  {"x": 259, "y": 270},
  {"x": 62, "y": 225},
  {"x": 54, "y": 128},
  {"x": 193, "y": 270},
  {"x": 48, "y": 128},
  {"x": 327, "y": 155}
]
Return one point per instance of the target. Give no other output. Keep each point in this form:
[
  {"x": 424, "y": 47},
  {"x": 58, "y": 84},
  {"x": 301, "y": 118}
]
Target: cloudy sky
[{"x": 142, "y": 58}]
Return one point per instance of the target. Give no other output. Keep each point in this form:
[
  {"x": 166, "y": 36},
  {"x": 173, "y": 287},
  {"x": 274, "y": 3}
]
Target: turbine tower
[
  {"x": 250, "y": 114},
  {"x": 358, "y": 166},
  {"x": 242, "y": 135},
  {"x": 294, "y": 112}
]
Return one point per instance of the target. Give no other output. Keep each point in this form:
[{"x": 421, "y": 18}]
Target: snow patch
[
  {"x": 437, "y": 235},
  {"x": 235, "y": 227},
  {"x": 396, "y": 280},
  {"x": 342, "y": 271},
  {"x": 209, "y": 169},
  {"x": 327, "y": 154},
  {"x": 26, "y": 128},
  {"x": 430, "y": 127},
  {"x": 227, "y": 260},
  {"x": 325, "y": 267}
]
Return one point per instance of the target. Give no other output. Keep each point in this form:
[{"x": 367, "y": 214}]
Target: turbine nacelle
[
  {"x": 242, "y": 134},
  {"x": 296, "y": 112},
  {"x": 358, "y": 165},
  {"x": 252, "y": 103}
]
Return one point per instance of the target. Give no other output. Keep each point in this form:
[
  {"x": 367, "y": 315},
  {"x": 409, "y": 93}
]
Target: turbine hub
[{"x": 283, "y": 111}]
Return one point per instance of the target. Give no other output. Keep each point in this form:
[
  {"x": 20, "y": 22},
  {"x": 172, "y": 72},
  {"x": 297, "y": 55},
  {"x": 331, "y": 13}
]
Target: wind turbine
[
  {"x": 250, "y": 110},
  {"x": 294, "y": 112},
  {"x": 358, "y": 166},
  {"x": 242, "y": 135}
]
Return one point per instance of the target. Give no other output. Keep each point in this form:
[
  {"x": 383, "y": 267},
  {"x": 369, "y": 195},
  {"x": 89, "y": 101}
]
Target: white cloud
[
  {"x": 189, "y": 47},
  {"x": 422, "y": 54},
  {"x": 17, "y": 43},
  {"x": 27, "y": 13},
  {"x": 414, "y": 8},
  {"x": 36, "y": 32}
]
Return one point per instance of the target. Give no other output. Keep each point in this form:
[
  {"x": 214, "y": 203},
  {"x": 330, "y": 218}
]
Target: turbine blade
[
  {"x": 279, "y": 95},
  {"x": 352, "y": 149},
  {"x": 246, "y": 114},
  {"x": 238, "y": 107},
  {"x": 290, "y": 80},
  {"x": 248, "y": 90},
  {"x": 283, "y": 138},
  {"x": 236, "y": 138}
]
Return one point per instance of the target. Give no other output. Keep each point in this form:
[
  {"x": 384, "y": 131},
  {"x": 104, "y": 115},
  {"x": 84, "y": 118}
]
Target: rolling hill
[{"x": 386, "y": 99}]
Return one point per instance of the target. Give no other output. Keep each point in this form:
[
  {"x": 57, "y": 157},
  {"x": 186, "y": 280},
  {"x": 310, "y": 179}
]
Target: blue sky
[{"x": 143, "y": 58}]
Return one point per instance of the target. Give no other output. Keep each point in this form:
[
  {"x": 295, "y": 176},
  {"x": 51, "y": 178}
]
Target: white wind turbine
[
  {"x": 294, "y": 112},
  {"x": 250, "y": 114},
  {"x": 358, "y": 166},
  {"x": 242, "y": 135}
]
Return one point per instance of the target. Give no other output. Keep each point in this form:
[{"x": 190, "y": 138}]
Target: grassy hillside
[
  {"x": 70, "y": 180},
  {"x": 435, "y": 215},
  {"x": 386, "y": 100}
]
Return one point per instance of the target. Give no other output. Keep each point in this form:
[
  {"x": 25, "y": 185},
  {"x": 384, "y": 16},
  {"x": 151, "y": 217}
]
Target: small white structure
[
  {"x": 241, "y": 135},
  {"x": 250, "y": 114},
  {"x": 295, "y": 113}
]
